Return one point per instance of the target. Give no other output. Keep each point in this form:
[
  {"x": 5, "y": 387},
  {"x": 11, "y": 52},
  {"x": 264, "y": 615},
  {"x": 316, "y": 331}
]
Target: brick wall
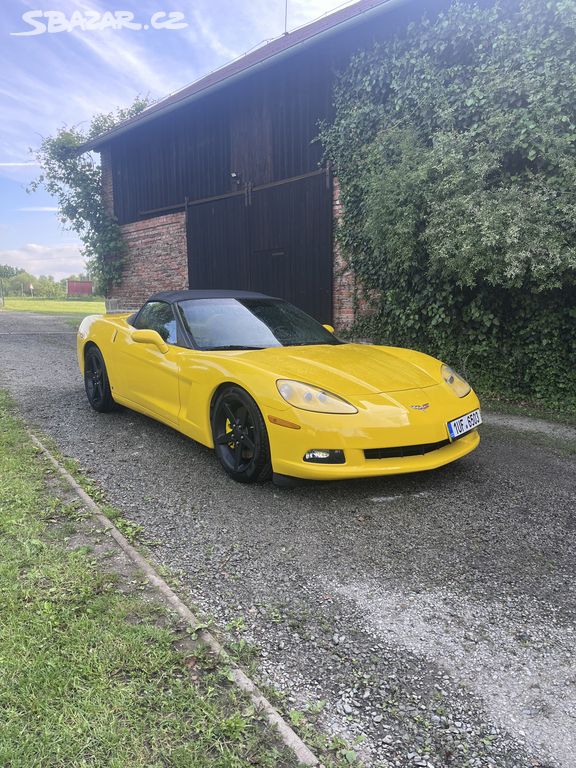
[
  {"x": 156, "y": 260},
  {"x": 344, "y": 283}
]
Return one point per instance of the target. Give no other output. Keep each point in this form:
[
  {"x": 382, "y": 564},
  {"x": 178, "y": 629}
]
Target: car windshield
[{"x": 220, "y": 324}]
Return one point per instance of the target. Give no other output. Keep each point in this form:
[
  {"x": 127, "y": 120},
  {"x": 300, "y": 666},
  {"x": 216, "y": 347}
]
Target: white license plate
[{"x": 464, "y": 424}]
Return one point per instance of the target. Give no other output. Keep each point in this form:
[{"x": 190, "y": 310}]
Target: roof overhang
[{"x": 273, "y": 52}]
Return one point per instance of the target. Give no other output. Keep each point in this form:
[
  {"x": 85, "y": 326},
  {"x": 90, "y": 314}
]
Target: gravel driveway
[{"x": 433, "y": 613}]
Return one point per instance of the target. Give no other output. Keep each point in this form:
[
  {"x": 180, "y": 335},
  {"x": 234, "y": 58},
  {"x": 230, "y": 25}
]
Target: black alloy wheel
[
  {"x": 240, "y": 437},
  {"x": 96, "y": 382}
]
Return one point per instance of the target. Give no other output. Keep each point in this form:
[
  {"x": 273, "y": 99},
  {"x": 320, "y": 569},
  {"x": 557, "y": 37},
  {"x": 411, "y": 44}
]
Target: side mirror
[
  {"x": 148, "y": 336},
  {"x": 329, "y": 328}
]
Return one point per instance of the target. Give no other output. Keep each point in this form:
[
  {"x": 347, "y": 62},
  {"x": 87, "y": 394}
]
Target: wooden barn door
[
  {"x": 216, "y": 232},
  {"x": 275, "y": 238}
]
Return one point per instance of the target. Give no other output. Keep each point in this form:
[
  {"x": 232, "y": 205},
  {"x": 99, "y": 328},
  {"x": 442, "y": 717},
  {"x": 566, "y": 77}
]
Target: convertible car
[{"x": 275, "y": 393}]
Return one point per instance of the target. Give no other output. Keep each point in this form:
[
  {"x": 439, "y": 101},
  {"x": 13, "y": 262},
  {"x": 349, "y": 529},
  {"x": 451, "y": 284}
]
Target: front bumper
[{"x": 382, "y": 421}]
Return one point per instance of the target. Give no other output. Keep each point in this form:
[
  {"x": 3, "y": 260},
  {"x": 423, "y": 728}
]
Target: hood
[{"x": 345, "y": 369}]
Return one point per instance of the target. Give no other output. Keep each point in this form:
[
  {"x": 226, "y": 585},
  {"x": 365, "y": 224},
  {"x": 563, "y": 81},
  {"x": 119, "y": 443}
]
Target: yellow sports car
[{"x": 275, "y": 393}]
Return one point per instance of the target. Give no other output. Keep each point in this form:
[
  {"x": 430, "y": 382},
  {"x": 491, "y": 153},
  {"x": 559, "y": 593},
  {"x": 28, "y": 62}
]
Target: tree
[
  {"x": 455, "y": 146},
  {"x": 7, "y": 271},
  {"x": 19, "y": 284},
  {"x": 75, "y": 180},
  {"x": 48, "y": 288}
]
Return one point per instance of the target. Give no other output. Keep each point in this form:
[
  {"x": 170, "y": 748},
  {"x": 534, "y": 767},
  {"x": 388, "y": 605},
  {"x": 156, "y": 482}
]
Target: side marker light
[{"x": 283, "y": 422}]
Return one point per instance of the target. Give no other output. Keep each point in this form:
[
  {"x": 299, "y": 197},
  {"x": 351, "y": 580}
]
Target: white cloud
[
  {"x": 76, "y": 77},
  {"x": 39, "y": 208},
  {"x": 56, "y": 260},
  {"x": 17, "y": 165},
  {"x": 128, "y": 61},
  {"x": 214, "y": 41},
  {"x": 304, "y": 11}
]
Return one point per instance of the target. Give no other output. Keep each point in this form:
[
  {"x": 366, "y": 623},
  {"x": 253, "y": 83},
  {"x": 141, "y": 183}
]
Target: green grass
[
  {"x": 54, "y": 306},
  {"x": 87, "y": 676}
]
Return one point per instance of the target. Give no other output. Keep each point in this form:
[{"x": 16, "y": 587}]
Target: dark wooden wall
[
  {"x": 263, "y": 129},
  {"x": 181, "y": 154}
]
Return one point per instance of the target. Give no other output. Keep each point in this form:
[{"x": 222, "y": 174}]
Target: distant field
[{"x": 53, "y": 306}]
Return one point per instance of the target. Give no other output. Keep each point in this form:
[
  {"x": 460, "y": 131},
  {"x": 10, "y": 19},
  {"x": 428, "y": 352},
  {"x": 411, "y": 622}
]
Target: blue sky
[{"x": 63, "y": 74}]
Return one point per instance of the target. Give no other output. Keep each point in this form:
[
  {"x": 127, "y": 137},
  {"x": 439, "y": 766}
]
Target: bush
[
  {"x": 455, "y": 146},
  {"x": 74, "y": 179}
]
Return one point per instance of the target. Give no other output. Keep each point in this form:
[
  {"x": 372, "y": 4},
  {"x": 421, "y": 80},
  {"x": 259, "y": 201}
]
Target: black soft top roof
[{"x": 175, "y": 296}]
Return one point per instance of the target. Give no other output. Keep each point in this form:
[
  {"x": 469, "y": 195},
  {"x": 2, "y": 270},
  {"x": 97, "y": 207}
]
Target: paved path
[{"x": 433, "y": 613}]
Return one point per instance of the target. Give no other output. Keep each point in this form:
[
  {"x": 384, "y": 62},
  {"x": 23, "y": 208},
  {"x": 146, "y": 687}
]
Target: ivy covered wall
[{"x": 455, "y": 148}]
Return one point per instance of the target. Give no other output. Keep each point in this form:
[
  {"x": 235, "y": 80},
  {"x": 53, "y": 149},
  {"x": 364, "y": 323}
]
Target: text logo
[{"x": 52, "y": 22}]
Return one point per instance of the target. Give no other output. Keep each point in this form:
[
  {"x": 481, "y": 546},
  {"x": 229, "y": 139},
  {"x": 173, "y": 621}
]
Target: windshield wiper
[{"x": 228, "y": 348}]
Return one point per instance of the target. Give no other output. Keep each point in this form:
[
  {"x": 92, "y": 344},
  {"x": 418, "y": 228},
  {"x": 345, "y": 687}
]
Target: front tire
[
  {"x": 240, "y": 436},
  {"x": 96, "y": 382}
]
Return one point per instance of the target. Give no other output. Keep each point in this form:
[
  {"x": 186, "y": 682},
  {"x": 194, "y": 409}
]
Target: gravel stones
[{"x": 438, "y": 624}]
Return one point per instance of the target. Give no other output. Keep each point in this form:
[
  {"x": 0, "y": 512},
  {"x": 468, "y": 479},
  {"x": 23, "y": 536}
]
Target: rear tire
[
  {"x": 96, "y": 382},
  {"x": 240, "y": 437}
]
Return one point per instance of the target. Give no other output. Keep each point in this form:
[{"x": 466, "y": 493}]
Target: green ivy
[
  {"x": 75, "y": 180},
  {"x": 455, "y": 147}
]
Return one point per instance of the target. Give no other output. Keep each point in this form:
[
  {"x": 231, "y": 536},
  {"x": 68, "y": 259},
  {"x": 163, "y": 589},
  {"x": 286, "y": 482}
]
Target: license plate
[{"x": 464, "y": 424}]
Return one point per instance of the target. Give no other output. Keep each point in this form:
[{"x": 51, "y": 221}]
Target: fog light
[{"x": 324, "y": 456}]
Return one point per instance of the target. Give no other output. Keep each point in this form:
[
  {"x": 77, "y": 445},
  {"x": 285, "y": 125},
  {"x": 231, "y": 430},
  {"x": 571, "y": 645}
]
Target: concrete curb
[{"x": 287, "y": 735}]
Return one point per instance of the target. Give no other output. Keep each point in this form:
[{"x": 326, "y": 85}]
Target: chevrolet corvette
[{"x": 275, "y": 393}]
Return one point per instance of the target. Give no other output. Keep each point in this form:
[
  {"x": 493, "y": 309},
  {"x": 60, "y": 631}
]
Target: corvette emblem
[{"x": 423, "y": 407}]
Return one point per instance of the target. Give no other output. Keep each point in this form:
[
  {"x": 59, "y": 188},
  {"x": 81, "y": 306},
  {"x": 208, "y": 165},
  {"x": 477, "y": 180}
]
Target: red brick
[
  {"x": 344, "y": 282},
  {"x": 156, "y": 260}
]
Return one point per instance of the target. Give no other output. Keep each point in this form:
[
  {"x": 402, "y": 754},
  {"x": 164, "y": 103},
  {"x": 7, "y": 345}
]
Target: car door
[{"x": 150, "y": 377}]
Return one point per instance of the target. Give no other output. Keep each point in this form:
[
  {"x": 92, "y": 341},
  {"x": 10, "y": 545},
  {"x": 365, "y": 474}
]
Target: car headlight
[
  {"x": 455, "y": 382},
  {"x": 310, "y": 398}
]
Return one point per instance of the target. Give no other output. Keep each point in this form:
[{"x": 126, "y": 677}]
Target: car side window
[{"x": 158, "y": 316}]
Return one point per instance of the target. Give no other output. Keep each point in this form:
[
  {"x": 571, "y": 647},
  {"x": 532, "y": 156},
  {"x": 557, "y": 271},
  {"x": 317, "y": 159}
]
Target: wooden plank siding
[
  {"x": 163, "y": 162},
  {"x": 263, "y": 128}
]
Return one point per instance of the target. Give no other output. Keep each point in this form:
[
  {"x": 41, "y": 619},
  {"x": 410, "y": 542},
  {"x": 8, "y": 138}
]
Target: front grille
[{"x": 404, "y": 450}]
